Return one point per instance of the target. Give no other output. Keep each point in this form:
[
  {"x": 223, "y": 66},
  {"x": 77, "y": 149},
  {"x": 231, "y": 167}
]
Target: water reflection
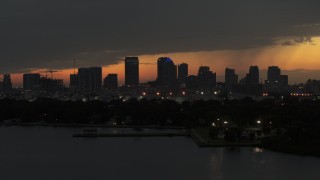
[
  {"x": 36, "y": 152},
  {"x": 257, "y": 150}
]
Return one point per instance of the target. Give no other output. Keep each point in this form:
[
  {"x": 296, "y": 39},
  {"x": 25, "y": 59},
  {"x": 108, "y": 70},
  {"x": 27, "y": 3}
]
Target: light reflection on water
[
  {"x": 51, "y": 153},
  {"x": 257, "y": 150}
]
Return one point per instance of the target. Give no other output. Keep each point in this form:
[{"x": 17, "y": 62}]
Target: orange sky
[{"x": 303, "y": 56}]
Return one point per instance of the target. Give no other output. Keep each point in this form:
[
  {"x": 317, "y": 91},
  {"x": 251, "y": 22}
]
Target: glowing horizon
[{"x": 302, "y": 56}]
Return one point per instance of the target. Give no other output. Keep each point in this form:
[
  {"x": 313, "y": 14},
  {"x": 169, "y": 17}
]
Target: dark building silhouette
[
  {"x": 49, "y": 84},
  {"x": 207, "y": 79},
  {"x": 253, "y": 78},
  {"x": 250, "y": 83},
  {"x": 84, "y": 79},
  {"x": 31, "y": 81},
  {"x": 131, "y": 71},
  {"x": 284, "y": 80},
  {"x": 192, "y": 82},
  {"x": 167, "y": 73},
  {"x": 274, "y": 74},
  {"x": 111, "y": 82},
  {"x": 90, "y": 79},
  {"x": 231, "y": 79},
  {"x": 182, "y": 73},
  {"x": 74, "y": 81},
  {"x": 313, "y": 86},
  {"x": 6, "y": 84},
  {"x": 276, "y": 82}
]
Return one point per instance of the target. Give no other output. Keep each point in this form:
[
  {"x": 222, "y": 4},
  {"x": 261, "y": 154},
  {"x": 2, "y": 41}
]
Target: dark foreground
[{"x": 52, "y": 153}]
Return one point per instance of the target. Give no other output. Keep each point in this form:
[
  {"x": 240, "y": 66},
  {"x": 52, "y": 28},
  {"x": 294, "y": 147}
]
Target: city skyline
[
  {"x": 119, "y": 69},
  {"x": 212, "y": 33},
  {"x": 164, "y": 90}
]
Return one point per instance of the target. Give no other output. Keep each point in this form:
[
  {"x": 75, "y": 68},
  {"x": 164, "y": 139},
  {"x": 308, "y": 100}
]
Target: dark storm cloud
[{"x": 48, "y": 34}]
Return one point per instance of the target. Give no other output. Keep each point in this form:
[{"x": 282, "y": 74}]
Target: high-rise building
[
  {"x": 274, "y": 74},
  {"x": 253, "y": 78},
  {"x": 167, "y": 73},
  {"x": 74, "y": 81},
  {"x": 111, "y": 82},
  {"x": 31, "y": 81},
  {"x": 90, "y": 79},
  {"x": 313, "y": 86},
  {"x": 207, "y": 79},
  {"x": 231, "y": 78},
  {"x": 84, "y": 79},
  {"x": 7, "y": 84},
  {"x": 131, "y": 71},
  {"x": 276, "y": 82},
  {"x": 182, "y": 73},
  {"x": 250, "y": 83},
  {"x": 192, "y": 82},
  {"x": 49, "y": 84},
  {"x": 284, "y": 80}
]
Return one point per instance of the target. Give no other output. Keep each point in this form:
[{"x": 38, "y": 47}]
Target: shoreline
[
  {"x": 204, "y": 143},
  {"x": 89, "y": 126},
  {"x": 200, "y": 141}
]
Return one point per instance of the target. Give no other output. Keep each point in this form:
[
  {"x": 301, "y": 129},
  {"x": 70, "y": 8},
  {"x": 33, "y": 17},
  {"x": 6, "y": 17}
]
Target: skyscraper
[
  {"x": 274, "y": 74},
  {"x": 90, "y": 79},
  {"x": 276, "y": 82},
  {"x": 231, "y": 78},
  {"x": 207, "y": 79},
  {"x": 111, "y": 82},
  {"x": 182, "y": 73},
  {"x": 84, "y": 78},
  {"x": 250, "y": 83},
  {"x": 31, "y": 81},
  {"x": 131, "y": 71},
  {"x": 253, "y": 78},
  {"x": 7, "y": 85},
  {"x": 284, "y": 80},
  {"x": 167, "y": 73},
  {"x": 74, "y": 81}
]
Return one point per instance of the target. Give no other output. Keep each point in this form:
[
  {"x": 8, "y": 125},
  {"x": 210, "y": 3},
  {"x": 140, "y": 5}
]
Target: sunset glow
[{"x": 301, "y": 56}]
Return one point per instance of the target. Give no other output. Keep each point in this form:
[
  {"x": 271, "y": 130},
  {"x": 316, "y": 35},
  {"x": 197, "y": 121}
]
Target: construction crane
[{"x": 49, "y": 71}]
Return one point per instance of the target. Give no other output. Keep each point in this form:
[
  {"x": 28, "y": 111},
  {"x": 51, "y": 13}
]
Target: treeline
[{"x": 244, "y": 113}]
